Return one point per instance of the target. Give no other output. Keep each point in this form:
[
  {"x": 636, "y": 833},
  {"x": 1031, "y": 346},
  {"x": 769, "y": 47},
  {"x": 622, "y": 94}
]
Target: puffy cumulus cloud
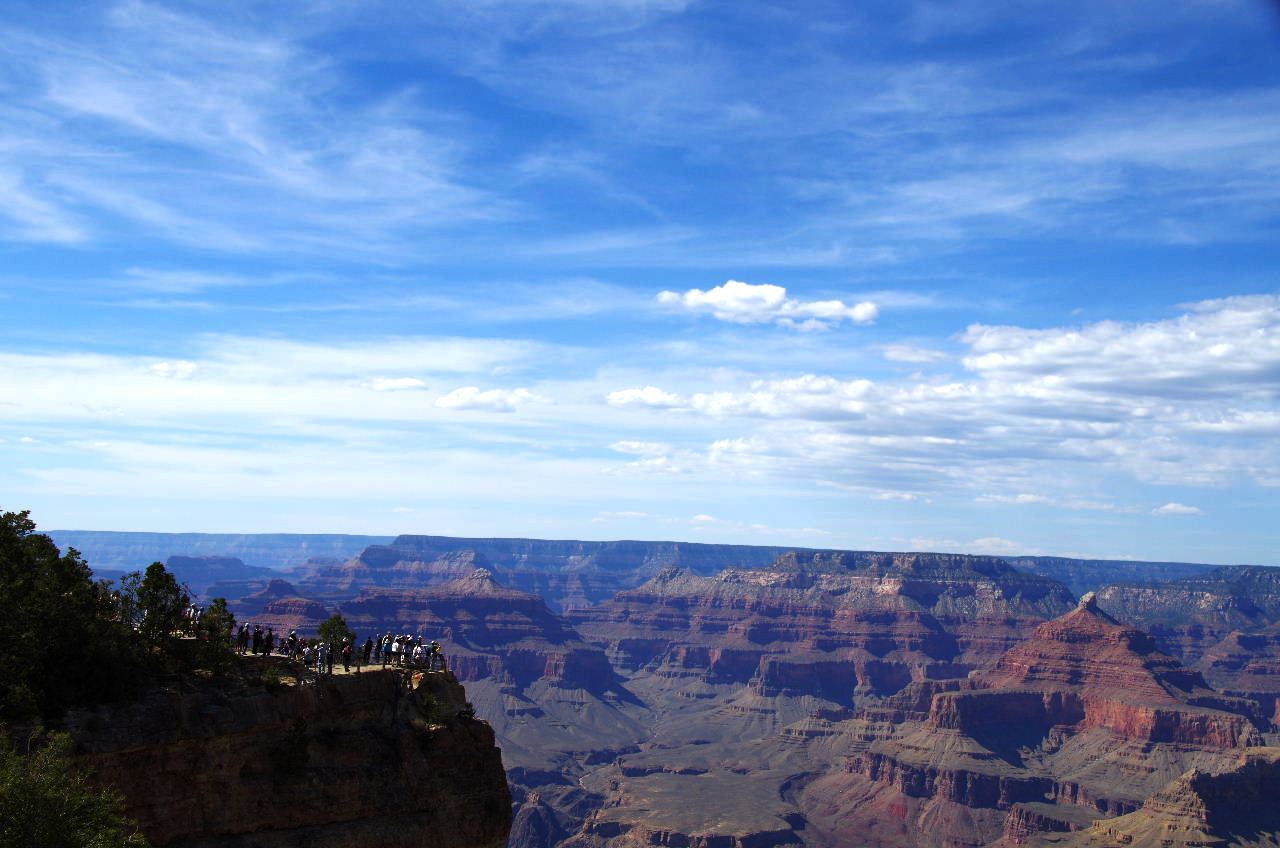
[
  {"x": 1173, "y": 508},
  {"x": 396, "y": 384},
  {"x": 488, "y": 400},
  {"x": 747, "y": 303},
  {"x": 650, "y": 396}
]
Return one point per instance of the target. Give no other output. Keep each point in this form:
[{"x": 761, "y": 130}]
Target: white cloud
[
  {"x": 639, "y": 448},
  {"x": 999, "y": 547},
  {"x": 746, "y": 303},
  {"x": 1173, "y": 508},
  {"x": 648, "y": 396},
  {"x": 396, "y": 384},
  {"x": 620, "y": 515},
  {"x": 805, "y": 396},
  {"x": 257, "y": 384},
  {"x": 179, "y": 369},
  {"x": 990, "y": 545},
  {"x": 1180, "y": 401},
  {"x": 905, "y": 497},
  {"x": 1217, "y": 348},
  {"x": 221, "y": 135},
  {"x": 490, "y": 400},
  {"x": 660, "y": 464},
  {"x": 904, "y": 352},
  {"x": 1023, "y": 499}
]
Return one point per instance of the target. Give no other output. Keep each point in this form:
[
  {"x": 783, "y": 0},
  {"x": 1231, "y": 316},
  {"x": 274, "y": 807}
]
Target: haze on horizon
[{"x": 966, "y": 276}]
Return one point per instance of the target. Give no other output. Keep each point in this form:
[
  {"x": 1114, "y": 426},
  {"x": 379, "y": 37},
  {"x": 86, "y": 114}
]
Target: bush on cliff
[
  {"x": 66, "y": 639},
  {"x": 45, "y": 802},
  {"x": 61, "y": 639}
]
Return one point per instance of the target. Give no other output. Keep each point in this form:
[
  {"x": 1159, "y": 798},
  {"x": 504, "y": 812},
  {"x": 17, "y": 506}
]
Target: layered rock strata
[
  {"x": 1235, "y": 804},
  {"x": 1081, "y": 722}
]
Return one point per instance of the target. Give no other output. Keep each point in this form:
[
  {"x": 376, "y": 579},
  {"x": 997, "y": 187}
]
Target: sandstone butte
[
  {"x": 358, "y": 761},
  {"x": 830, "y": 698}
]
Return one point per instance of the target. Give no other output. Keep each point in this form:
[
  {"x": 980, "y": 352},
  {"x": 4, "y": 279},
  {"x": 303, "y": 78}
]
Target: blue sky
[{"x": 976, "y": 276}]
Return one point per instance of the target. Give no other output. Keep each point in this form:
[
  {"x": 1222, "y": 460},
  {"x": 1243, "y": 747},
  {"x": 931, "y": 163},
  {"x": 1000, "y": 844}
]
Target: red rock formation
[
  {"x": 1055, "y": 721},
  {"x": 884, "y": 620}
]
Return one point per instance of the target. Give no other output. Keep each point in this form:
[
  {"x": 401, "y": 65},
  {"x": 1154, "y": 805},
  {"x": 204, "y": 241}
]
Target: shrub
[{"x": 45, "y": 802}]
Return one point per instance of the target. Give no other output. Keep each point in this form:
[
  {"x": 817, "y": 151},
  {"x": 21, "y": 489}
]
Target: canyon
[{"x": 702, "y": 695}]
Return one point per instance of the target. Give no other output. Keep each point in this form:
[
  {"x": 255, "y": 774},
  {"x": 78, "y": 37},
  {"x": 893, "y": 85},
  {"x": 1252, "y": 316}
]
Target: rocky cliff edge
[{"x": 376, "y": 759}]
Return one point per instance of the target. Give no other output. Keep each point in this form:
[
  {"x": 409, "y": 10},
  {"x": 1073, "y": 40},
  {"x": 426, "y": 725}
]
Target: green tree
[
  {"x": 213, "y": 637},
  {"x": 335, "y": 629},
  {"x": 64, "y": 639},
  {"x": 45, "y": 802},
  {"x": 160, "y": 602}
]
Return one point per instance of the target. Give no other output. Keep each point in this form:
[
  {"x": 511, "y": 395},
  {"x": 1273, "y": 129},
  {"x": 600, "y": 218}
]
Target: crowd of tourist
[{"x": 322, "y": 657}]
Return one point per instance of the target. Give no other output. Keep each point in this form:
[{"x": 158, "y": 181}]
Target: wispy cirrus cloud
[{"x": 209, "y": 125}]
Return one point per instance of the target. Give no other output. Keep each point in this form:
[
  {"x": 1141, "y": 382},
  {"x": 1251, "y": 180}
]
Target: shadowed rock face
[{"x": 352, "y": 762}]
